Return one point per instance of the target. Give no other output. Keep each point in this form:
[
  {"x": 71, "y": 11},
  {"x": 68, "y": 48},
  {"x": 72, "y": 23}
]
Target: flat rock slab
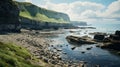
[{"x": 80, "y": 40}]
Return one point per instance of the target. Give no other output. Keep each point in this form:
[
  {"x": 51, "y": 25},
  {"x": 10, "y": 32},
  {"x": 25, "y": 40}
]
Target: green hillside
[
  {"x": 12, "y": 55},
  {"x": 34, "y": 12}
]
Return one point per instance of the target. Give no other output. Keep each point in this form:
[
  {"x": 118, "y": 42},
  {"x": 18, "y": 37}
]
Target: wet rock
[
  {"x": 89, "y": 48},
  {"x": 118, "y": 53},
  {"x": 117, "y": 33},
  {"x": 51, "y": 45},
  {"x": 115, "y": 37},
  {"x": 112, "y": 42},
  {"x": 99, "y": 37},
  {"x": 73, "y": 48},
  {"x": 64, "y": 53},
  {"x": 97, "y": 45},
  {"x": 79, "y": 40},
  {"x": 114, "y": 46},
  {"x": 59, "y": 49},
  {"x": 106, "y": 40},
  {"x": 37, "y": 32},
  {"x": 61, "y": 46},
  {"x": 82, "y": 52}
]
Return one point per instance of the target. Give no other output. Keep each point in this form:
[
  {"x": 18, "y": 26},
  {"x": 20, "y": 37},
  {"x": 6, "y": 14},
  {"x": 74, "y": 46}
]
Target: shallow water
[{"x": 94, "y": 56}]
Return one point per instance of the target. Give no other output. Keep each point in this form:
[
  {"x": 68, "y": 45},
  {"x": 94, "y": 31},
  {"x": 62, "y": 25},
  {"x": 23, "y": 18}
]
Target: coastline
[{"x": 37, "y": 45}]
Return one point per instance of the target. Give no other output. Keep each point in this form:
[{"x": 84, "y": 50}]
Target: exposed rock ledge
[
  {"x": 80, "y": 40},
  {"x": 110, "y": 42}
]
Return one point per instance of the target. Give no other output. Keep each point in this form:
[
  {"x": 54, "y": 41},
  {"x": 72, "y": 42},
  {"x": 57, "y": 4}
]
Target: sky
[{"x": 99, "y": 11}]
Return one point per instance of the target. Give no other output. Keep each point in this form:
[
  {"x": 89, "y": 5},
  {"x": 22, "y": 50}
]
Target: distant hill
[{"x": 34, "y": 12}]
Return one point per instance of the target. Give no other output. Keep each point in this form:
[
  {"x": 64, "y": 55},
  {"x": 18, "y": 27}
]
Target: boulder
[
  {"x": 115, "y": 37},
  {"x": 107, "y": 39},
  {"x": 99, "y": 37},
  {"x": 79, "y": 40},
  {"x": 112, "y": 42},
  {"x": 117, "y": 33},
  {"x": 114, "y": 46}
]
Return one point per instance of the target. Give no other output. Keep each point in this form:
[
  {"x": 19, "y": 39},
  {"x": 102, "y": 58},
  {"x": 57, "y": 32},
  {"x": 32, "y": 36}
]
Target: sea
[
  {"x": 94, "y": 56},
  {"x": 108, "y": 28}
]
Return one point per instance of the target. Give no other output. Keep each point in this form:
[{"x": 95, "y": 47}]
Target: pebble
[
  {"x": 73, "y": 48},
  {"x": 83, "y": 52}
]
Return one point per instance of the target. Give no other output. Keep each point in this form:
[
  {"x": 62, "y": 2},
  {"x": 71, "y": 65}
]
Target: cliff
[
  {"x": 9, "y": 16},
  {"x": 34, "y": 12},
  {"x": 34, "y": 17}
]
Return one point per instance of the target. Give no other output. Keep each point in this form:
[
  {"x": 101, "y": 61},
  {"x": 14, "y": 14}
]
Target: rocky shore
[
  {"x": 38, "y": 46},
  {"x": 103, "y": 40}
]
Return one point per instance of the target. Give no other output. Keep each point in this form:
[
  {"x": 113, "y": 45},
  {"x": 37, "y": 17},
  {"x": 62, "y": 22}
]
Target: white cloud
[
  {"x": 113, "y": 10},
  {"x": 86, "y": 11},
  {"x": 75, "y": 10}
]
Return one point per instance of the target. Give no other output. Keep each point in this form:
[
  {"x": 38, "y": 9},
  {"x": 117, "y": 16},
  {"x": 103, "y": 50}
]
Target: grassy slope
[
  {"x": 33, "y": 12},
  {"x": 15, "y": 56}
]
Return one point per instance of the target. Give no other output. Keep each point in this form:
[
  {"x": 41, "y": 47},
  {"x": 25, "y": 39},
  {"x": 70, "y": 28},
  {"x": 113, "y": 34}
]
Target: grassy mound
[{"x": 12, "y": 55}]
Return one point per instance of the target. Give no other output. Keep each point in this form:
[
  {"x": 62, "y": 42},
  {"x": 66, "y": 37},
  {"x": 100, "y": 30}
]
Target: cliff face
[
  {"x": 9, "y": 16},
  {"x": 34, "y": 17},
  {"x": 37, "y": 25},
  {"x": 33, "y": 12}
]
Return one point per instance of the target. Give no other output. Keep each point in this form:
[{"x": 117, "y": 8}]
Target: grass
[
  {"x": 12, "y": 55},
  {"x": 34, "y": 12},
  {"x": 41, "y": 17}
]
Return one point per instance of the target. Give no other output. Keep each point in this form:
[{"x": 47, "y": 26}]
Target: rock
[
  {"x": 45, "y": 60},
  {"x": 118, "y": 53},
  {"x": 79, "y": 40},
  {"x": 37, "y": 32},
  {"x": 112, "y": 42},
  {"x": 117, "y": 33},
  {"x": 115, "y": 37},
  {"x": 97, "y": 45},
  {"x": 61, "y": 46},
  {"x": 73, "y": 48},
  {"x": 114, "y": 46},
  {"x": 89, "y": 48},
  {"x": 9, "y": 16},
  {"x": 53, "y": 62},
  {"x": 64, "y": 53},
  {"x": 82, "y": 52},
  {"x": 106, "y": 40},
  {"x": 59, "y": 49},
  {"x": 99, "y": 37}
]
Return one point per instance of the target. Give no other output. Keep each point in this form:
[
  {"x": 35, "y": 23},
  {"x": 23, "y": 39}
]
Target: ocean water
[
  {"x": 108, "y": 28},
  {"x": 95, "y": 56}
]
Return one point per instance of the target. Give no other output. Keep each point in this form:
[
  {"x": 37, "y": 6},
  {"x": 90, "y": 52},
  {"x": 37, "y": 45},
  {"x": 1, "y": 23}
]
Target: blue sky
[{"x": 84, "y": 10}]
